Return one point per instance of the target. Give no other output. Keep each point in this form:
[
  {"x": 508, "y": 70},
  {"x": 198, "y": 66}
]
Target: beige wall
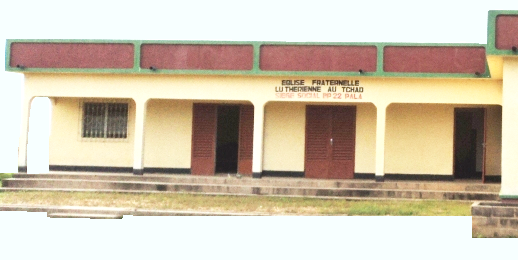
[
  {"x": 509, "y": 129},
  {"x": 365, "y": 157},
  {"x": 67, "y": 147},
  {"x": 168, "y": 131},
  {"x": 284, "y": 136},
  {"x": 259, "y": 90},
  {"x": 419, "y": 139},
  {"x": 494, "y": 140}
]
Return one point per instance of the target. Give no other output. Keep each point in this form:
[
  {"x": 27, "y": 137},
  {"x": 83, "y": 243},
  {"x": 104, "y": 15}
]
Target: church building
[{"x": 380, "y": 111}]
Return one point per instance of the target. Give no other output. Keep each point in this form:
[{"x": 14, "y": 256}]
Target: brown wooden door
[
  {"x": 343, "y": 136},
  {"x": 204, "y": 126},
  {"x": 246, "y": 139},
  {"x": 330, "y": 142},
  {"x": 318, "y": 135}
]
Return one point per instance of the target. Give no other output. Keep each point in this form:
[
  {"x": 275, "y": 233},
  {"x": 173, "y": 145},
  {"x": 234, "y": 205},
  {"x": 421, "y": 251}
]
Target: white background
[{"x": 23, "y": 234}]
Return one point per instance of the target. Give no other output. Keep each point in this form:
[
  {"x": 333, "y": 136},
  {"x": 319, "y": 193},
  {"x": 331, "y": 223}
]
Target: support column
[
  {"x": 138, "y": 147},
  {"x": 257, "y": 163},
  {"x": 509, "y": 190},
  {"x": 381, "y": 111},
  {"x": 24, "y": 134}
]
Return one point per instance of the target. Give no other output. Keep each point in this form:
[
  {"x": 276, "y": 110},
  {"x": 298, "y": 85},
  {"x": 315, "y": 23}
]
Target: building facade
[{"x": 314, "y": 110}]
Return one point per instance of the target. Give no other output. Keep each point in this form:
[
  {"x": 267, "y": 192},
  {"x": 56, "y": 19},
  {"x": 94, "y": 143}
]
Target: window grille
[{"x": 105, "y": 120}]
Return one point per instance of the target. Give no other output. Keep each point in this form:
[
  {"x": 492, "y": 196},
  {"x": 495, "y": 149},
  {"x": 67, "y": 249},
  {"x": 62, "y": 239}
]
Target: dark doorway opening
[
  {"x": 469, "y": 143},
  {"x": 227, "y": 139}
]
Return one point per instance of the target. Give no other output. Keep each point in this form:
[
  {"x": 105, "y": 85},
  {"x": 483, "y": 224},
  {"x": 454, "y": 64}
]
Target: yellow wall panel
[
  {"x": 365, "y": 157},
  {"x": 284, "y": 136},
  {"x": 494, "y": 141},
  {"x": 419, "y": 139},
  {"x": 168, "y": 131},
  {"x": 67, "y": 147}
]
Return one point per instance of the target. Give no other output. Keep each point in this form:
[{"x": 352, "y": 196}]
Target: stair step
[
  {"x": 114, "y": 212},
  {"x": 246, "y": 186},
  {"x": 270, "y": 182},
  {"x": 314, "y": 193},
  {"x": 84, "y": 215}
]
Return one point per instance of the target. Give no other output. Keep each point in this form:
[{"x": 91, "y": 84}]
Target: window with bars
[{"x": 105, "y": 120}]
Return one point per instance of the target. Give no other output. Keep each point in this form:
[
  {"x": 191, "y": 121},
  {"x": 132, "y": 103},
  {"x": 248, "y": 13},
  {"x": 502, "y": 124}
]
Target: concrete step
[
  {"x": 270, "y": 182},
  {"x": 146, "y": 187},
  {"x": 90, "y": 216},
  {"x": 112, "y": 213}
]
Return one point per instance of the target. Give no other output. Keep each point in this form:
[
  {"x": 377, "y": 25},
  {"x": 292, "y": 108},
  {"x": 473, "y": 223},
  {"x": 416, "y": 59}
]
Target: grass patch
[
  {"x": 259, "y": 204},
  {"x": 5, "y": 176}
]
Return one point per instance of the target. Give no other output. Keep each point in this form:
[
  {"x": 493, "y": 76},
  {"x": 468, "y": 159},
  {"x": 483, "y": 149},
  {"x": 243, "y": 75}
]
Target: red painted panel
[
  {"x": 506, "y": 32},
  {"x": 246, "y": 139},
  {"x": 72, "y": 55},
  {"x": 197, "y": 57},
  {"x": 432, "y": 59},
  {"x": 318, "y": 58},
  {"x": 204, "y": 124}
]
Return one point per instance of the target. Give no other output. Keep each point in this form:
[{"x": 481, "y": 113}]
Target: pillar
[
  {"x": 257, "y": 162},
  {"x": 381, "y": 115},
  {"x": 138, "y": 147},
  {"x": 24, "y": 134},
  {"x": 509, "y": 186}
]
